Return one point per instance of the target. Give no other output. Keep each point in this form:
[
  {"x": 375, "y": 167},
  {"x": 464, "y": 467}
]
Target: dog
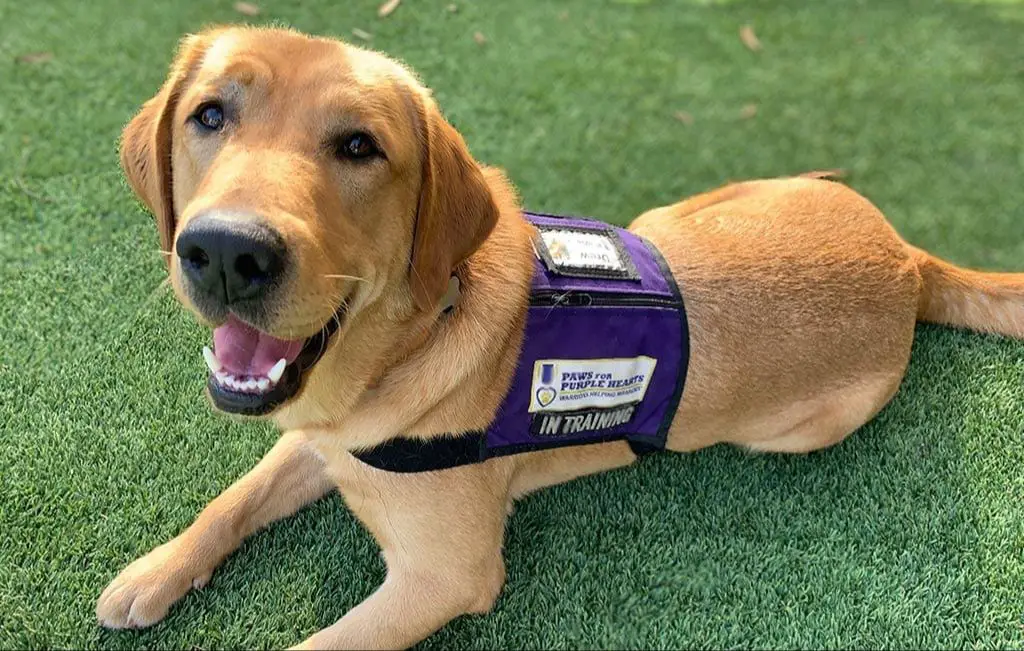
[{"x": 368, "y": 281}]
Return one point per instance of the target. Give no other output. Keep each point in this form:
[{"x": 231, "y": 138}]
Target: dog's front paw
[{"x": 143, "y": 592}]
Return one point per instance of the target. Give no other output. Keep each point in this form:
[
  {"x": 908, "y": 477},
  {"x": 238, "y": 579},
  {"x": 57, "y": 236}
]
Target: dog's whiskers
[
  {"x": 323, "y": 330},
  {"x": 347, "y": 277}
]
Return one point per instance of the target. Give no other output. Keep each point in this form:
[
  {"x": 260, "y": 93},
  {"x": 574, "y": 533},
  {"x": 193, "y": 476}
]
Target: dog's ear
[
  {"x": 146, "y": 141},
  {"x": 456, "y": 211}
]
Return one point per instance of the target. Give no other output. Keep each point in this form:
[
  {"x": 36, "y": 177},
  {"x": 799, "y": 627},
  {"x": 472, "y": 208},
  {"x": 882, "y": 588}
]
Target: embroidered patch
[
  {"x": 561, "y": 385},
  {"x": 584, "y": 252},
  {"x": 567, "y": 423}
]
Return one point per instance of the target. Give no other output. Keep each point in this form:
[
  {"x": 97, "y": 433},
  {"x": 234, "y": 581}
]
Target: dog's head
[{"x": 294, "y": 181}]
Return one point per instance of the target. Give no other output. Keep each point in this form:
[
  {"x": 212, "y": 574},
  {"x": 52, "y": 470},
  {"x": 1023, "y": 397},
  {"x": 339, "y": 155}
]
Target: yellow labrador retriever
[{"x": 368, "y": 280}]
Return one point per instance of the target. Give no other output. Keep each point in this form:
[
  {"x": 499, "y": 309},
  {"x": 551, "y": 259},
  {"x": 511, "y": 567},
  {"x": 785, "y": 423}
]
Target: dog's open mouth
[{"x": 252, "y": 372}]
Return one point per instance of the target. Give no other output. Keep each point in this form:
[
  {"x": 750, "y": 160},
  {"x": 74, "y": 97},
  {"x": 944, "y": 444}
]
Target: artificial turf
[{"x": 910, "y": 534}]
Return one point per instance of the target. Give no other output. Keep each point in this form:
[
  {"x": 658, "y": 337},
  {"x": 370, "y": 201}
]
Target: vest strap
[{"x": 440, "y": 453}]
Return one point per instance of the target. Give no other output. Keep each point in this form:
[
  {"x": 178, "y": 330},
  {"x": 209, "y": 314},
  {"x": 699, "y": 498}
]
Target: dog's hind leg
[
  {"x": 823, "y": 421},
  {"x": 290, "y": 476}
]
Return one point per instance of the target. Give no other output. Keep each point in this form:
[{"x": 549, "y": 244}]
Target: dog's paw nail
[{"x": 200, "y": 581}]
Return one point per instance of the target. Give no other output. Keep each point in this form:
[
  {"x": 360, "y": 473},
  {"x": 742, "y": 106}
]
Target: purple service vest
[{"x": 604, "y": 355}]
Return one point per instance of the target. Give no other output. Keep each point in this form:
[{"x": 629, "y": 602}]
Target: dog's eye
[
  {"x": 210, "y": 115},
  {"x": 355, "y": 146}
]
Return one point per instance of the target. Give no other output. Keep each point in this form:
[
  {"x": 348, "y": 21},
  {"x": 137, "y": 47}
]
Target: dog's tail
[{"x": 982, "y": 301}]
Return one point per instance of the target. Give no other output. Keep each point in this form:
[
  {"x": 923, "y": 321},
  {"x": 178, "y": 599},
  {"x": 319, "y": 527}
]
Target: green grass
[{"x": 910, "y": 534}]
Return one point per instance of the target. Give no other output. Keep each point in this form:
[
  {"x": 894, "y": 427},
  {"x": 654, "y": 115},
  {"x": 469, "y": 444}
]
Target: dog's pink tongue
[{"x": 244, "y": 350}]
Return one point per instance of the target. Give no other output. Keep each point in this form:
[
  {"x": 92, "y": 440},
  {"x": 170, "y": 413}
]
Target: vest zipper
[{"x": 575, "y": 298}]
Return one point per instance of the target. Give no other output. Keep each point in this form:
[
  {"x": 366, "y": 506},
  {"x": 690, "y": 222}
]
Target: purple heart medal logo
[{"x": 546, "y": 393}]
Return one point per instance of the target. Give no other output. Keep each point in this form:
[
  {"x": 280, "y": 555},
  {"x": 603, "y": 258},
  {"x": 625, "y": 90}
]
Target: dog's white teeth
[
  {"x": 275, "y": 373},
  {"x": 248, "y": 384},
  {"x": 211, "y": 360}
]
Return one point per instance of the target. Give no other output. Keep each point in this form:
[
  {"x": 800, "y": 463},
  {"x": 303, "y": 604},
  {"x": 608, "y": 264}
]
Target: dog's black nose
[{"x": 231, "y": 260}]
